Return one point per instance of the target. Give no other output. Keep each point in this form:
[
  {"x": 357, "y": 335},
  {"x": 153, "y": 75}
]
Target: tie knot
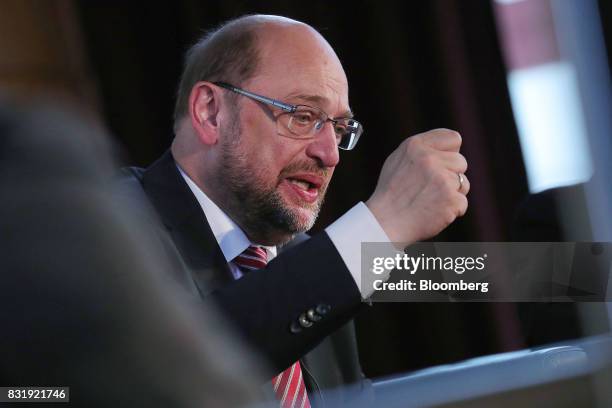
[{"x": 252, "y": 258}]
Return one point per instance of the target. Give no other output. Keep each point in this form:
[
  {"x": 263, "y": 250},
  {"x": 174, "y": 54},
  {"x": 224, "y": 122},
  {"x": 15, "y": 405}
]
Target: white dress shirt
[{"x": 347, "y": 233}]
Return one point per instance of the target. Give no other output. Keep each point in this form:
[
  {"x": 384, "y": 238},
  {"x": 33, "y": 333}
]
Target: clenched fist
[{"x": 421, "y": 188}]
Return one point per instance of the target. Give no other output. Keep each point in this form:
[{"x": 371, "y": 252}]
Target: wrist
[{"x": 388, "y": 221}]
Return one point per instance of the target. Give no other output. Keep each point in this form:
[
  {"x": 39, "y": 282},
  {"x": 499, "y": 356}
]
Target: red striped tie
[{"x": 288, "y": 385}]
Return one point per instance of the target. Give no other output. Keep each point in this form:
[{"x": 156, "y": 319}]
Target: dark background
[{"x": 412, "y": 66}]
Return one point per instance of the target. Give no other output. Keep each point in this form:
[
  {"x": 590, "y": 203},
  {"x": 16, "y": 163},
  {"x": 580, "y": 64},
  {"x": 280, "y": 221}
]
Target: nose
[{"x": 324, "y": 148}]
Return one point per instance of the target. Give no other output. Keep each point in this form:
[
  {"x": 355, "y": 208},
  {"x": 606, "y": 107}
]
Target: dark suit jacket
[{"x": 265, "y": 306}]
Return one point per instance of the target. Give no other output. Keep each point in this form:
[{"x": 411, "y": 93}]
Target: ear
[{"x": 204, "y": 111}]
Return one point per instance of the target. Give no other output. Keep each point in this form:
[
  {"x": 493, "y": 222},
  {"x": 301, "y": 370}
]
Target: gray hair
[{"x": 227, "y": 53}]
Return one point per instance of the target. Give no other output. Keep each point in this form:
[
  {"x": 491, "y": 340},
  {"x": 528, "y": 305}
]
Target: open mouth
[{"x": 305, "y": 186}]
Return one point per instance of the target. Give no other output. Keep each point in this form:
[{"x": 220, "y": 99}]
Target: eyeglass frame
[{"x": 289, "y": 108}]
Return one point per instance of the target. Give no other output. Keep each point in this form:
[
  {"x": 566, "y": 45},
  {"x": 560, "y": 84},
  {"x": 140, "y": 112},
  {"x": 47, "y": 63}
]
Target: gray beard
[{"x": 258, "y": 209}]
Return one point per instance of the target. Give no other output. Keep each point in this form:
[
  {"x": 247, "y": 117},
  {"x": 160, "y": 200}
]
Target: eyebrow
[{"x": 318, "y": 101}]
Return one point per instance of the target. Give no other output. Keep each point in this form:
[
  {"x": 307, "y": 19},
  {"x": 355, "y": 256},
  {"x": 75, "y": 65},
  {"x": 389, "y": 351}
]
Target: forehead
[{"x": 295, "y": 61}]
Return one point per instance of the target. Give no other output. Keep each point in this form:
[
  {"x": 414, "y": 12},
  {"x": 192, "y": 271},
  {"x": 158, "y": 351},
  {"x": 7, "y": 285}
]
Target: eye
[
  {"x": 340, "y": 129},
  {"x": 303, "y": 117}
]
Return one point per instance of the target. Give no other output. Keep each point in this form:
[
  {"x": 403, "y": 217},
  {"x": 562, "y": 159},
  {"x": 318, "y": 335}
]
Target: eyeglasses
[{"x": 306, "y": 122}]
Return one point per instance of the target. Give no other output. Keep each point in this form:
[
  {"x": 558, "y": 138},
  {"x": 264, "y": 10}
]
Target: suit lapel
[{"x": 183, "y": 217}]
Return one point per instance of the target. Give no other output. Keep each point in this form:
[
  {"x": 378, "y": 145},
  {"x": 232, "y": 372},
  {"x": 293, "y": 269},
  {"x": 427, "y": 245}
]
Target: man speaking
[{"x": 261, "y": 113}]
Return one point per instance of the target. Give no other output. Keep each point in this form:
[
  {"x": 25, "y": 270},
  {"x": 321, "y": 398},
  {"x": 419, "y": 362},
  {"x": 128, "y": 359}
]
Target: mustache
[{"x": 307, "y": 167}]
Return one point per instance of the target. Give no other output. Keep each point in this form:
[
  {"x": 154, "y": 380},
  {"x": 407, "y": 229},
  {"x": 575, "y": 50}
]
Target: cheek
[
  {"x": 259, "y": 136},
  {"x": 268, "y": 152}
]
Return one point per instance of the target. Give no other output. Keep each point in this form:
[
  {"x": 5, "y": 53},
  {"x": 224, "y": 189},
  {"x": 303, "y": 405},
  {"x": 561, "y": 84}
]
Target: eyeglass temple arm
[{"x": 284, "y": 106}]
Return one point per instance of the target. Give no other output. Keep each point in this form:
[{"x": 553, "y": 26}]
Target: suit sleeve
[{"x": 286, "y": 309}]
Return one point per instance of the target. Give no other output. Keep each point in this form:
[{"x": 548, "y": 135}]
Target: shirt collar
[{"x": 231, "y": 239}]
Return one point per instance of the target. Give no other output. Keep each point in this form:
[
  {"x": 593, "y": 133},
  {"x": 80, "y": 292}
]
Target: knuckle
[
  {"x": 464, "y": 162},
  {"x": 453, "y": 133},
  {"x": 440, "y": 130},
  {"x": 452, "y": 182},
  {"x": 439, "y": 180},
  {"x": 448, "y": 132},
  {"x": 466, "y": 187},
  {"x": 450, "y": 217},
  {"x": 454, "y": 136},
  {"x": 464, "y": 207},
  {"x": 426, "y": 160},
  {"x": 411, "y": 143}
]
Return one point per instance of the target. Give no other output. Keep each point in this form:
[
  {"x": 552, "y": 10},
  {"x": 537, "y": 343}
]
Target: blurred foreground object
[{"x": 83, "y": 300}]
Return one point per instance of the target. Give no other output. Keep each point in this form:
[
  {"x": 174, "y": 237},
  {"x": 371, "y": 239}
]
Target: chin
[
  {"x": 304, "y": 218},
  {"x": 301, "y": 218},
  {"x": 302, "y": 214}
]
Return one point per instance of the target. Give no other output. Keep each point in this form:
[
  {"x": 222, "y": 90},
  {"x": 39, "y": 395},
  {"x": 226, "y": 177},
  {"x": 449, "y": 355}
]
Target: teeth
[{"x": 302, "y": 184}]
